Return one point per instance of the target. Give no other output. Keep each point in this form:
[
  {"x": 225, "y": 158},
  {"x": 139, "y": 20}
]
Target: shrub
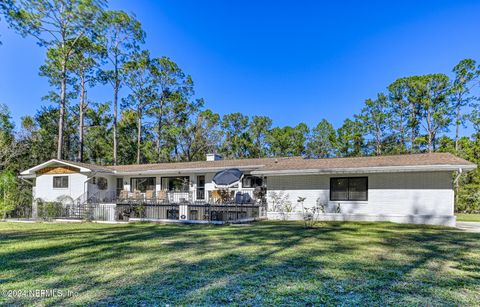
[
  {"x": 8, "y": 193},
  {"x": 469, "y": 199},
  {"x": 49, "y": 210}
]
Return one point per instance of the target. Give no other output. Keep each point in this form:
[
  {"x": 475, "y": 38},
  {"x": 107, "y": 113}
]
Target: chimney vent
[{"x": 213, "y": 157}]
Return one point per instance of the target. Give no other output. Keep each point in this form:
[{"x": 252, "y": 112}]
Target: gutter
[
  {"x": 382, "y": 169},
  {"x": 25, "y": 180},
  {"x": 188, "y": 170}
]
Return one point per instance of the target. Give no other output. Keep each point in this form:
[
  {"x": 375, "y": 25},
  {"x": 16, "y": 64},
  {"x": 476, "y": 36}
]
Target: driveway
[{"x": 469, "y": 226}]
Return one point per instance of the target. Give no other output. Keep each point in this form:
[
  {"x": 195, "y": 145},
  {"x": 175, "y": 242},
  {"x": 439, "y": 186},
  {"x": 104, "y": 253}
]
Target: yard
[
  {"x": 266, "y": 263},
  {"x": 468, "y": 217}
]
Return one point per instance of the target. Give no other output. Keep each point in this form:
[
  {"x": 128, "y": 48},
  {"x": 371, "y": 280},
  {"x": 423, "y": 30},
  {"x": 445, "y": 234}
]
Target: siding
[
  {"x": 422, "y": 193},
  {"x": 44, "y": 187}
]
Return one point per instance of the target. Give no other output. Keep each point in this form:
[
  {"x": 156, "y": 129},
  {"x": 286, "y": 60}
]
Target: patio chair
[
  {"x": 239, "y": 198},
  {"x": 137, "y": 195},
  {"x": 216, "y": 196},
  {"x": 247, "y": 199},
  {"x": 123, "y": 195},
  {"x": 162, "y": 197},
  {"x": 149, "y": 195}
]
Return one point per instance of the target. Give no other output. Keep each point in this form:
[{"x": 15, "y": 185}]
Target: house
[{"x": 413, "y": 188}]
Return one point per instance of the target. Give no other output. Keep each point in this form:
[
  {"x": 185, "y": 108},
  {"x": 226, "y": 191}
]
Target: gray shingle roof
[{"x": 296, "y": 163}]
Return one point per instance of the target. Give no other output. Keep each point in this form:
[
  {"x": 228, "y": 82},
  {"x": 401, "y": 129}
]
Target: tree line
[{"x": 155, "y": 116}]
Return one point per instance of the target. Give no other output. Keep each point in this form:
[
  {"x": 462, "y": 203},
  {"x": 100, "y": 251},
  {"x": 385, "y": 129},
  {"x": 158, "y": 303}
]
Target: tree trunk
[
  {"x": 413, "y": 126},
  {"x": 139, "y": 135},
  {"x": 81, "y": 118},
  {"x": 457, "y": 129},
  {"x": 63, "y": 86},
  {"x": 115, "y": 115},
  {"x": 430, "y": 133},
  {"x": 159, "y": 131}
]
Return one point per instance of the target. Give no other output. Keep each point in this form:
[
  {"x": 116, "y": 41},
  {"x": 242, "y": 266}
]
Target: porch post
[{"x": 183, "y": 211}]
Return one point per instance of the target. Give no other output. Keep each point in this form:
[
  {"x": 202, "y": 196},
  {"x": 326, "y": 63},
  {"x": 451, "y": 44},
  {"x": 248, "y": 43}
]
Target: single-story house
[{"x": 410, "y": 188}]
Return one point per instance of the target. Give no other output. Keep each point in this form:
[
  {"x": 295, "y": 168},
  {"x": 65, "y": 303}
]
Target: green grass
[
  {"x": 468, "y": 217},
  {"x": 266, "y": 263}
]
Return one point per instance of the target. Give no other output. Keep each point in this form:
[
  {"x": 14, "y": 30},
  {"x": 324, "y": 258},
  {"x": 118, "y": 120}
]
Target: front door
[{"x": 201, "y": 187}]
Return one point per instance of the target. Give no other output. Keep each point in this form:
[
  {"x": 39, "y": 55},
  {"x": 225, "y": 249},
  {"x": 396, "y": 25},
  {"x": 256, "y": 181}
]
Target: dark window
[
  {"x": 200, "y": 187},
  {"x": 60, "y": 182},
  {"x": 142, "y": 184},
  {"x": 252, "y": 181},
  {"x": 351, "y": 188},
  {"x": 178, "y": 184},
  {"x": 119, "y": 186}
]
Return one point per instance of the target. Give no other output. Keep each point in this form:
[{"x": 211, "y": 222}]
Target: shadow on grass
[{"x": 267, "y": 263}]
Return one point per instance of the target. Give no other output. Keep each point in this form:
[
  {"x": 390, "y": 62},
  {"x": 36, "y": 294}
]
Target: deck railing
[
  {"x": 178, "y": 197},
  {"x": 178, "y": 205}
]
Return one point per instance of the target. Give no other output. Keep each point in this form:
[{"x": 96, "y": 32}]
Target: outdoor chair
[
  {"x": 123, "y": 195},
  {"x": 216, "y": 197},
  {"x": 162, "y": 197},
  {"x": 239, "y": 198},
  {"x": 149, "y": 195},
  {"x": 137, "y": 195}
]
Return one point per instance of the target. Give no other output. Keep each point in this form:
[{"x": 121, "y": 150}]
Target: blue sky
[{"x": 294, "y": 61}]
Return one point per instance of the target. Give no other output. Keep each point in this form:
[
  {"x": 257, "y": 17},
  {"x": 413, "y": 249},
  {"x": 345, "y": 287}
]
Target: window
[
  {"x": 201, "y": 187},
  {"x": 252, "y": 181},
  {"x": 60, "y": 182},
  {"x": 119, "y": 186},
  {"x": 351, "y": 188},
  {"x": 178, "y": 184},
  {"x": 142, "y": 184}
]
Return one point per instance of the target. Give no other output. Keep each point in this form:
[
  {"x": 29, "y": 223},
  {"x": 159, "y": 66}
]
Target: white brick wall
[{"x": 421, "y": 193}]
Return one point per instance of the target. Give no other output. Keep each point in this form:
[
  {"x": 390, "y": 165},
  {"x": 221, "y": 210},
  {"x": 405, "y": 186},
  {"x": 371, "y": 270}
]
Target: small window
[
  {"x": 60, "y": 182},
  {"x": 349, "y": 188},
  {"x": 252, "y": 181}
]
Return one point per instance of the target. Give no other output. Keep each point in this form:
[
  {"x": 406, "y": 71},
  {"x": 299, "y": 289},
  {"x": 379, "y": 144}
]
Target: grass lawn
[
  {"x": 467, "y": 217},
  {"x": 266, "y": 263}
]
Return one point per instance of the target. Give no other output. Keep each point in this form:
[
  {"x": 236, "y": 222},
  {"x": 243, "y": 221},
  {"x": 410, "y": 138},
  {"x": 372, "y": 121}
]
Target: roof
[
  {"x": 83, "y": 167},
  {"x": 288, "y": 165},
  {"x": 243, "y": 164},
  {"x": 406, "y": 162}
]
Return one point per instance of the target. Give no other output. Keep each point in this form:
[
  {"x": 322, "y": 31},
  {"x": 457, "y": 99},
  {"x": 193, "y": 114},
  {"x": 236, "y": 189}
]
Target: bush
[
  {"x": 469, "y": 199},
  {"x": 8, "y": 193},
  {"x": 49, "y": 210}
]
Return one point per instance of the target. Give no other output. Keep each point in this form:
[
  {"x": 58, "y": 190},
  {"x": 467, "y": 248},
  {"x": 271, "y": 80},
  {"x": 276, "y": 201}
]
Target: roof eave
[
  {"x": 31, "y": 171},
  {"x": 378, "y": 169},
  {"x": 188, "y": 170}
]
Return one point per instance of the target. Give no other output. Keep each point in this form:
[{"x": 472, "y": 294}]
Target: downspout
[
  {"x": 455, "y": 182},
  {"x": 459, "y": 173}
]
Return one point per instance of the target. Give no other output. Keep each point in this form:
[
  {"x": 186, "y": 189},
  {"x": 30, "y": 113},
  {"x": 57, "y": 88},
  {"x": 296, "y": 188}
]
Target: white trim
[{"x": 366, "y": 170}]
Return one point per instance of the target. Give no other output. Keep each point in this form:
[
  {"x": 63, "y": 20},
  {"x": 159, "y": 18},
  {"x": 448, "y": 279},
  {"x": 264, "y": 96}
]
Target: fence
[
  {"x": 23, "y": 212},
  {"x": 173, "y": 211}
]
